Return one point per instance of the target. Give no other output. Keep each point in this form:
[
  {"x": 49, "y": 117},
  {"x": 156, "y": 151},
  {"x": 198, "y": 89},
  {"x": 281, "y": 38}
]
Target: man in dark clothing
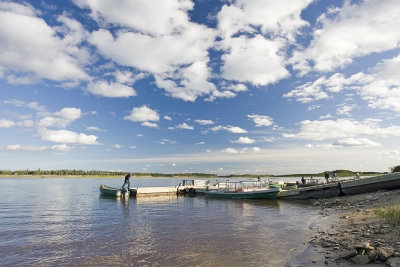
[
  {"x": 327, "y": 177},
  {"x": 127, "y": 177}
]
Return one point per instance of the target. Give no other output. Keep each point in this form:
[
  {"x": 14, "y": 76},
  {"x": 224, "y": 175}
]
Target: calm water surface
[{"x": 57, "y": 221}]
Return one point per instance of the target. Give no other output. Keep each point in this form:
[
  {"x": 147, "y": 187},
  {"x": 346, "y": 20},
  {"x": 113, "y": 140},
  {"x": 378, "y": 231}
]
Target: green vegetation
[
  {"x": 96, "y": 173},
  {"x": 339, "y": 173},
  {"x": 395, "y": 168},
  {"x": 389, "y": 214}
]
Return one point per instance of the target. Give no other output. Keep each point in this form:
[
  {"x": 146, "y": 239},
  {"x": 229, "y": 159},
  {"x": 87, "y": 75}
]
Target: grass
[{"x": 389, "y": 214}]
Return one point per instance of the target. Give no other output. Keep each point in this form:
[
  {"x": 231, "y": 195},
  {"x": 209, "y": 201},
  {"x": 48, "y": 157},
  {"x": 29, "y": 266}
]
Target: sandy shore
[{"x": 350, "y": 234}]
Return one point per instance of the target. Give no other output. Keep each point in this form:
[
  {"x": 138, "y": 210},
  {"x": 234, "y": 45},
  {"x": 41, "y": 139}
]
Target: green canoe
[{"x": 113, "y": 192}]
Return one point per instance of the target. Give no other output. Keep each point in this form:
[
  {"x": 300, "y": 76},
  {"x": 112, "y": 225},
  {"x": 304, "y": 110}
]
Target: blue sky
[{"x": 263, "y": 87}]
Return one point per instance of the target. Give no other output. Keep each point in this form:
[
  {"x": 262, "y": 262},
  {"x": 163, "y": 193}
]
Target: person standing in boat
[{"x": 126, "y": 181}]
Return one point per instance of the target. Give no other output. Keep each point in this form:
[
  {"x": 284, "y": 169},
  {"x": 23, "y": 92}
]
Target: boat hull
[
  {"x": 371, "y": 184},
  {"x": 259, "y": 194},
  {"x": 113, "y": 192},
  {"x": 349, "y": 187}
]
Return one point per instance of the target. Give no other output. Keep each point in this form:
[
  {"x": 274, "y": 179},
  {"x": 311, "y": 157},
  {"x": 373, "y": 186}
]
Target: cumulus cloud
[
  {"x": 149, "y": 124},
  {"x": 342, "y": 128},
  {"x": 204, "y": 122},
  {"x": 142, "y": 114},
  {"x": 352, "y": 31},
  {"x": 113, "y": 89},
  {"x": 256, "y": 60},
  {"x": 61, "y": 118},
  {"x": 379, "y": 86},
  {"x": 261, "y": 120},
  {"x": 185, "y": 126},
  {"x": 94, "y": 129},
  {"x": 250, "y": 56},
  {"x": 68, "y": 137},
  {"x": 151, "y": 38},
  {"x": 20, "y": 103},
  {"x": 357, "y": 142},
  {"x": 244, "y": 150},
  {"x": 50, "y": 56},
  {"x": 6, "y": 123},
  {"x": 168, "y": 118},
  {"x": 34, "y": 149},
  {"x": 229, "y": 128},
  {"x": 244, "y": 140}
]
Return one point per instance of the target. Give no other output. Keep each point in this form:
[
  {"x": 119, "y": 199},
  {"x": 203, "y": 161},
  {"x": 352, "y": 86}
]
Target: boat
[
  {"x": 374, "y": 183},
  {"x": 275, "y": 183},
  {"x": 113, "y": 192},
  {"x": 244, "y": 190},
  {"x": 344, "y": 187}
]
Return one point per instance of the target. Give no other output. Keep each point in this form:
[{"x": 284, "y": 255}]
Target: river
[{"x": 65, "y": 222}]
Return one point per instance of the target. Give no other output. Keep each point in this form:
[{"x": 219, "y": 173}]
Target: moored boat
[
  {"x": 113, "y": 192},
  {"x": 344, "y": 187},
  {"x": 244, "y": 190}
]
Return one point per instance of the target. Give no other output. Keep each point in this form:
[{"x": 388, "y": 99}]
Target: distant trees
[
  {"x": 40, "y": 172},
  {"x": 395, "y": 168}
]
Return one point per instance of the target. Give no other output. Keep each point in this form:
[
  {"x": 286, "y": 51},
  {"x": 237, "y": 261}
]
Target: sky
[{"x": 179, "y": 86}]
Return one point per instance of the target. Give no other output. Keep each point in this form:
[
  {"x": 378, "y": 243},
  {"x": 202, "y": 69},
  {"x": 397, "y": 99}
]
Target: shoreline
[{"x": 350, "y": 233}]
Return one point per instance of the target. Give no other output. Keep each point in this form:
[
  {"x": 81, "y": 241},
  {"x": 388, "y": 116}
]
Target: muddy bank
[{"x": 349, "y": 233}]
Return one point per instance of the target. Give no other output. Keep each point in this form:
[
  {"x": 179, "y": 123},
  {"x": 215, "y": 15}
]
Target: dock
[
  {"x": 187, "y": 187},
  {"x": 314, "y": 191}
]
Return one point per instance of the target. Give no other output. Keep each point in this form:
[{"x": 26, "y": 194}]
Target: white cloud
[
  {"x": 249, "y": 56},
  {"x": 185, "y": 126},
  {"x": 380, "y": 86},
  {"x": 124, "y": 77},
  {"x": 149, "y": 124},
  {"x": 61, "y": 118},
  {"x": 114, "y": 89},
  {"x": 204, "y": 122},
  {"x": 21, "y": 103},
  {"x": 154, "y": 47},
  {"x": 232, "y": 129},
  {"x": 268, "y": 16},
  {"x": 357, "y": 142},
  {"x": 342, "y": 128},
  {"x": 35, "y": 149},
  {"x": 143, "y": 114},
  {"x": 68, "y": 137},
  {"x": 151, "y": 16},
  {"x": 166, "y": 141},
  {"x": 62, "y": 148},
  {"x": 352, "y": 31},
  {"x": 244, "y": 150},
  {"x": 345, "y": 110},
  {"x": 256, "y": 60},
  {"x": 94, "y": 129},
  {"x": 6, "y": 123},
  {"x": 168, "y": 118},
  {"x": 230, "y": 150},
  {"x": 117, "y": 146},
  {"x": 261, "y": 120},
  {"x": 244, "y": 140},
  {"x": 50, "y": 56}
]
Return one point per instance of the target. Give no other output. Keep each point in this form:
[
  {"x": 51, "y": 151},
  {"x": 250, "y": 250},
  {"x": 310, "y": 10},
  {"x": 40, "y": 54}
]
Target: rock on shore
[{"x": 356, "y": 236}]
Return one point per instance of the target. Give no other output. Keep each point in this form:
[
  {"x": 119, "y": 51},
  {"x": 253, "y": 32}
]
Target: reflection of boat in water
[
  {"x": 113, "y": 192},
  {"x": 244, "y": 190}
]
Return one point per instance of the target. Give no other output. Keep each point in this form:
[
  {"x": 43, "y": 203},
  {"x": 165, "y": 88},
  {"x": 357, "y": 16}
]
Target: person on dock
[
  {"x": 303, "y": 181},
  {"x": 126, "y": 181},
  {"x": 327, "y": 177}
]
